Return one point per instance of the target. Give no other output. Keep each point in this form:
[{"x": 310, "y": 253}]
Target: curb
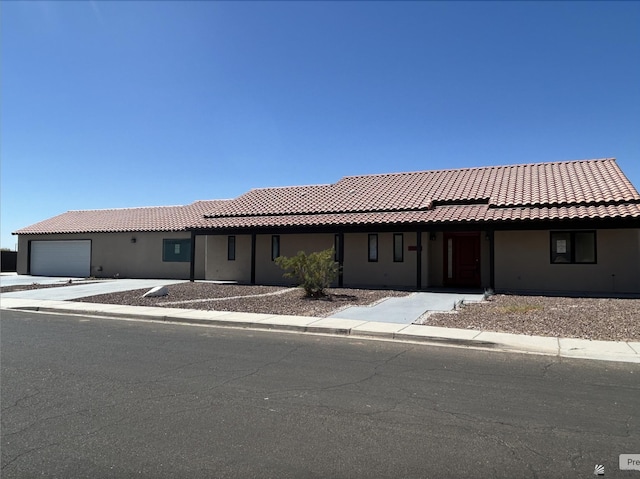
[
  {"x": 266, "y": 326},
  {"x": 503, "y": 342}
]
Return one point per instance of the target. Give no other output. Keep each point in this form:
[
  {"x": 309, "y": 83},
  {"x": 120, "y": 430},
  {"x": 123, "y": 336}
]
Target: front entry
[{"x": 462, "y": 259}]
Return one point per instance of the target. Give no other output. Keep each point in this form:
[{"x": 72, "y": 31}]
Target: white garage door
[{"x": 61, "y": 258}]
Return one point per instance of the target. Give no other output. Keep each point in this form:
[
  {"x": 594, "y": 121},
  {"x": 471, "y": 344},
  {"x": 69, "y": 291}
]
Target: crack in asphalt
[
  {"x": 18, "y": 456},
  {"x": 23, "y": 398}
]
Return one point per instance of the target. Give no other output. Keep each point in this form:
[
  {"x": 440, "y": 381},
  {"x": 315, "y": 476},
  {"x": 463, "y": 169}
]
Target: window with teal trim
[{"x": 176, "y": 250}]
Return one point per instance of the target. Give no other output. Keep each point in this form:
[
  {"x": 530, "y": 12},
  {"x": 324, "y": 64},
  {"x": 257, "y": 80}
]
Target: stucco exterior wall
[
  {"x": 384, "y": 273},
  {"x": 522, "y": 263},
  {"x": 358, "y": 271},
  {"x": 219, "y": 267},
  {"x": 267, "y": 272},
  {"x": 114, "y": 253}
]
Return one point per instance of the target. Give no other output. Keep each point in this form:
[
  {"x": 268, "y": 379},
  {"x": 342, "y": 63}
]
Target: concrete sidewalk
[{"x": 563, "y": 347}]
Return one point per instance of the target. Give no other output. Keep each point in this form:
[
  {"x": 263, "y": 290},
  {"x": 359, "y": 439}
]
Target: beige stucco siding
[
  {"x": 358, "y": 271},
  {"x": 219, "y": 267},
  {"x": 115, "y": 254},
  {"x": 385, "y": 273},
  {"x": 522, "y": 262},
  {"x": 267, "y": 271}
]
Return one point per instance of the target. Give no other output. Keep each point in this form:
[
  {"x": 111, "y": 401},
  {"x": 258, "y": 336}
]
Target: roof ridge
[
  {"x": 284, "y": 187},
  {"x": 479, "y": 168},
  {"x": 128, "y": 208}
]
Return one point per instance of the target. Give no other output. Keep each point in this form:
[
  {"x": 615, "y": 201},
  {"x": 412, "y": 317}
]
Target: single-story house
[
  {"x": 571, "y": 226},
  {"x": 151, "y": 242}
]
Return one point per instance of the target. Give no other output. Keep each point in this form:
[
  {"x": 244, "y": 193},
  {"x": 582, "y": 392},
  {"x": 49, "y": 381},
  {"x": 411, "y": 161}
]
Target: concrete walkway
[
  {"x": 407, "y": 309},
  {"x": 567, "y": 348}
]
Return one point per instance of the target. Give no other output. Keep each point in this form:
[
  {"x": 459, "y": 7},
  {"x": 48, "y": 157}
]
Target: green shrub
[{"x": 313, "y": 272}]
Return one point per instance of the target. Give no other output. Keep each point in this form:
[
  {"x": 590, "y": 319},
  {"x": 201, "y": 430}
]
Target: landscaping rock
[{"x": 155, "y": 292}]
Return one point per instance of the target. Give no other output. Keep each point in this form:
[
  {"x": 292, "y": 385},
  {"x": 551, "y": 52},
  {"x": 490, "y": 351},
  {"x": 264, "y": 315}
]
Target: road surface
[{"x": 102, "y": 398}]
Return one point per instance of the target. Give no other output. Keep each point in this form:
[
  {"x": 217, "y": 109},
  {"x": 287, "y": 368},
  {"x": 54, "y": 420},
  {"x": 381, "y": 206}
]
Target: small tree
[{"x": 313, "y": 272}]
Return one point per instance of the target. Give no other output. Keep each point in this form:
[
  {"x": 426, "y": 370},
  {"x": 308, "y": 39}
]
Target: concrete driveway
[
  {"x": 14, "y": 279},
  {"x": 81, "y": 289}
]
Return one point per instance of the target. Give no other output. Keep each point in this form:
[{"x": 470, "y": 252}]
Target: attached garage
[{"x": 61, "y": 258}]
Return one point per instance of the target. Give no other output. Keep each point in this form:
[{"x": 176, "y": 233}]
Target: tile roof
[
  {"x": 527, "y": 192},
  {"x": 155, "y": 218},
  {"x": 440, "y": 214},
  {"x": 540, "y": 191}
]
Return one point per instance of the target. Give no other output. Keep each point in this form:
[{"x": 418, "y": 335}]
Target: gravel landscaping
[
  {"x": 249, "y": 298},
  {"x": 606, "y": 319}
]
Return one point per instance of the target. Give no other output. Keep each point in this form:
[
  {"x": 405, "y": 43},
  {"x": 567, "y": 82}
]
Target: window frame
[
  {"x": 372, "y": 253},
  {"x": 398, "y": 258},
  {"x": 183, "y": 256},
  {"x": 275, "y": 247},
  {"x": 231, "y": 248},
  {"x": 570, "y": 246}
]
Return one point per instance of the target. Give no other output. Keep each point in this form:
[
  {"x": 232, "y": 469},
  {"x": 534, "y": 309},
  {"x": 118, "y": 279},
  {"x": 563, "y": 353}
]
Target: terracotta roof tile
[
  {"x": 528, "y": 192},
  {"x": 440, "y": 214},
  {"x": 157, "y": 218},
  {"x": 540, "y": 184}
]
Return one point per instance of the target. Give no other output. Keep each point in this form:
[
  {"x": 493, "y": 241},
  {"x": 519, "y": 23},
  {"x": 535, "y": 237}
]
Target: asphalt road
[{"x": 100, "y": 398}]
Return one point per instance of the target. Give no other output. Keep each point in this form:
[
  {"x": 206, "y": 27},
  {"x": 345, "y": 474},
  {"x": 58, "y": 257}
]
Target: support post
[
  {"x": 192, "y": 266},
  {"x": 340, "y": 259},
  {"x": 253, "y": 258},
  {"x": 419, "y": 260},
  {"x": 492, "y": 266}
]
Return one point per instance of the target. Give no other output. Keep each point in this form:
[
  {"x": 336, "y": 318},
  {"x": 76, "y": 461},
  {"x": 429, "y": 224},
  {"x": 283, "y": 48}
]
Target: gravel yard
[
  {"x": 249, "y": 298},
  {"x": 588, "y": 318},
  {"x": 604, "y": 319}
]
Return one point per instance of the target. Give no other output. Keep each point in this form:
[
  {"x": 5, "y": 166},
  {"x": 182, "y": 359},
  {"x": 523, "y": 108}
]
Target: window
[
  {"x": 573, "y": 247},
  {"x": 231, "y": 248},
  {"x": 398, "y": 253},
  {"x": 275, "y": 247},
  {"x": 176, "y": 250},
  {"x": 336, "y": 248},
  {"x": 373, "y": 247}
]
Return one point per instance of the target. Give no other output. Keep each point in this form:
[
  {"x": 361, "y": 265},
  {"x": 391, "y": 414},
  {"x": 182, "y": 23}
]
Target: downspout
[{"x": 192, "y": 266}]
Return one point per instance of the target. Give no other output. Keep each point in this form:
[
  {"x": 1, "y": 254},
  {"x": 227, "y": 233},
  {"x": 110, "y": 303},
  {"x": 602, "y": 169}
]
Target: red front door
[{"x": 462, "y": 259}]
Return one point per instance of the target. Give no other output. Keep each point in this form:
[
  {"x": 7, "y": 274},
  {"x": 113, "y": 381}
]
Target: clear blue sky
[{"x": 118, "y": 104}]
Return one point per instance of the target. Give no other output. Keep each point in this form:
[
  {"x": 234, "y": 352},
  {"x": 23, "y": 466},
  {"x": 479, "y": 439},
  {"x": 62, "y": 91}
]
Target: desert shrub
[{"x": 313, "y": 272}]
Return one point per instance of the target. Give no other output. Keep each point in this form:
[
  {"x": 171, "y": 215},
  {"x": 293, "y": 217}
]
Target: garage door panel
[{"x": 61, "y": 258}]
